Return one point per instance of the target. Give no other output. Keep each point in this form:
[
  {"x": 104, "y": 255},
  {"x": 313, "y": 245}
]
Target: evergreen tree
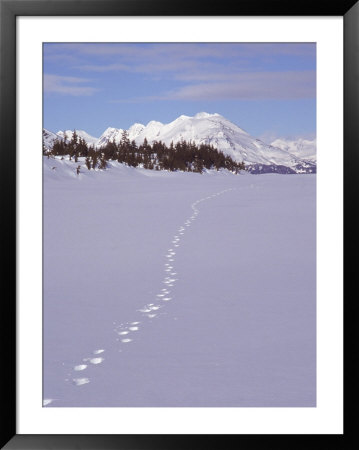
[
  {"x": 74, "y": 139},
  {"x": 88, "y": 163},
  {"x": 125, "y": 141},
  {"x": 183, "y": 156},
  {"x": 94, "y": 160},
  {"x": 103, "y": 164}
]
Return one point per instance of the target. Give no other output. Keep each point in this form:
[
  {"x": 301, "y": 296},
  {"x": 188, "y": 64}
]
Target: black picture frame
[{"x": 9, "y": 10}]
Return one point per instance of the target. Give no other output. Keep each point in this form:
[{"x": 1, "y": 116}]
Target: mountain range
[{"x": 280, "y": 156}]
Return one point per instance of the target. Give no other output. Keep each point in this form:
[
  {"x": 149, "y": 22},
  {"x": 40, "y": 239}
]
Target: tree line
[{"x": 184, "y": 156}]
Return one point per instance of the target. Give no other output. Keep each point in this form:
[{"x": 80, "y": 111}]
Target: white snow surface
[{"x": 198, "y": 289}]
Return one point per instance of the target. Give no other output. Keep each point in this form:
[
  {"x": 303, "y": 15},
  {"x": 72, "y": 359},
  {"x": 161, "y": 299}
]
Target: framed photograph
[{"x": 175, "y": 186}]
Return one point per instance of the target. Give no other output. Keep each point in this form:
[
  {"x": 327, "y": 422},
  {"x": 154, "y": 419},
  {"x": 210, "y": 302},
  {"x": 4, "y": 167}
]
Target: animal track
[
  {"x": 80, "y": 367},
  {"x": 97, "y": 352},
  {"x": 125, "y": 329},
  {"x": 96, "y": 360},
  {"x": 80, "y": 381}
]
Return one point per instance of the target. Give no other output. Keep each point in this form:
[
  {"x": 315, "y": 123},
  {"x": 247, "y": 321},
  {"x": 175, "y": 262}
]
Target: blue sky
[{"x": 268, "y": 89}]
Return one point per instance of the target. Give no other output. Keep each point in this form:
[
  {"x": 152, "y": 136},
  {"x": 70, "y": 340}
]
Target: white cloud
[
  {"x": 67, "y": 85},
  {"x": 288, "y": 85}
]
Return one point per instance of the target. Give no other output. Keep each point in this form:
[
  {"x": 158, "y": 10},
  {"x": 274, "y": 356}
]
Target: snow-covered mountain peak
[
  {"x": 154, "y": 123},
  {"x": 62, "y": 134},
  {"x": 109, "y": 135},
  {"x": 136, "y": 126},
  {"x": 90, "y": 140},
  {"x": 302, "y": 148},
  {"x": 214, "y": 129},
  {"x": 109, "y": 130},
  {"x": 151, "y": 132},
  {"x": 135, "y": 130},
  {"x": 49, "y": 138},
  {"x": 204, "y": 115}
]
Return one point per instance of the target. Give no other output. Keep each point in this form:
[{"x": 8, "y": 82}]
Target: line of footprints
[{"x": 126, "y": 331}]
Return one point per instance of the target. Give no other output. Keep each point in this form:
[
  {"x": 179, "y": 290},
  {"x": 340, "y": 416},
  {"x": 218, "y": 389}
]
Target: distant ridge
[{"x": 282, "y": 156}]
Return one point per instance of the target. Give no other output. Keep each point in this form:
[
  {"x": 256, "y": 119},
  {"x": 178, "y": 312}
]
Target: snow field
[
  {"x": 145, "y": 268},
  {"x": 146, "y": 310}
]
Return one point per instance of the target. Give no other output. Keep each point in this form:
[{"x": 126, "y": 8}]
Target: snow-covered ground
[{"x": 178, "y": 289}]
